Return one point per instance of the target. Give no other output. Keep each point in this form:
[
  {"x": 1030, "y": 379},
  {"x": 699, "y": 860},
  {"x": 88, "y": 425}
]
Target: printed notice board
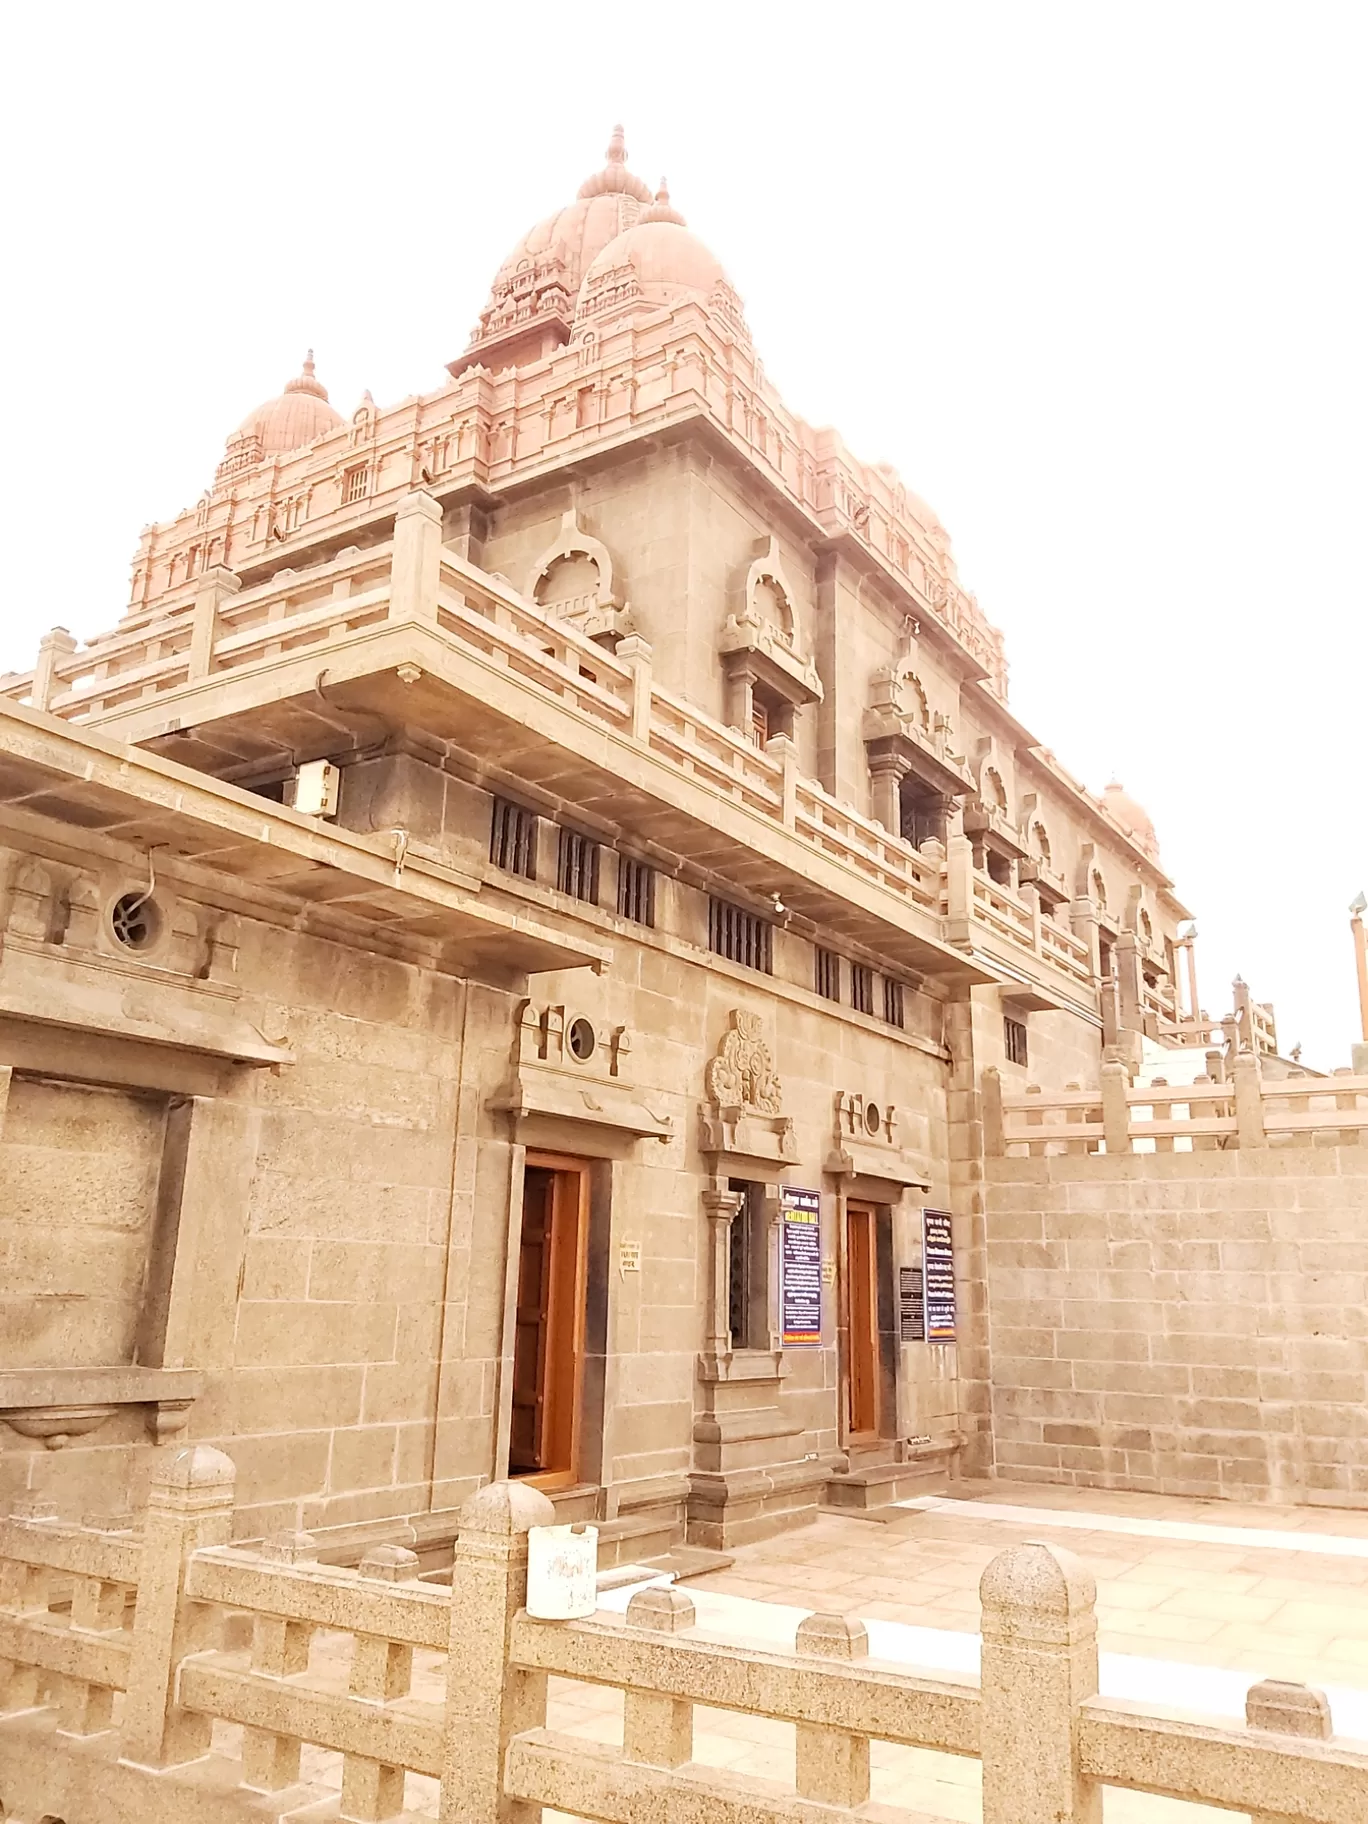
[
  {"x": 938, "y": 1260},
  {"x": 800, "y": 1268},
  {"x": 911, "y": 1305}
]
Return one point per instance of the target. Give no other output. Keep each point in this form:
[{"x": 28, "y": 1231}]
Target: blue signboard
[{"x": 800, "y": 1268}]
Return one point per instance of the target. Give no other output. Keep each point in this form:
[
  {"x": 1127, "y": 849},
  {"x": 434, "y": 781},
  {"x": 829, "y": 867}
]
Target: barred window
[
  {"x": 748, "y": 1268},
  {"x": 513, "y": 839},
  {"x": 740, "y": 936},
  {"x": 861, "y": 988},
  {"x": 1014, "y": 1040},
  {"x": 828, "y": 975},
  {"x": 894, "y": 1011},
  {"x": 636, "y": 890},
  {"x": 354, "y": 484},
  {"x": 577, "y": 866}
]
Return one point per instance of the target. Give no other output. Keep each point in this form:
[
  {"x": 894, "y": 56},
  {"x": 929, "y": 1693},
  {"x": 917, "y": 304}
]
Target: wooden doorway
[
  {"x": 862, "y": 1322},
  {"x": 548, "y": 1337}
]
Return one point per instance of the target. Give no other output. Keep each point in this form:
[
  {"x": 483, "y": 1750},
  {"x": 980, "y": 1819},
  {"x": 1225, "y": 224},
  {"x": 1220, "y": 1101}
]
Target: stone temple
[{"x": 537, "y": 948}]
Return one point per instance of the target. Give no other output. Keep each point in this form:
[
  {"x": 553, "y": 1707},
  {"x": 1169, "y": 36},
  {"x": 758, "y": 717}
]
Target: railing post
[
  {"x": 783, "y": 749},
  {"x": 488, "y": 1701},
  {"x": 959, "y": 890},
  {"x": 636, "y": 653},
  {"x": 189, "y": 1505},
  {"x": 52, "y": 649},
  {"x": 1039, "y": 1664},
  {"x": 994, "y": 1139},
  {"x": 658, "y": 1730},
  {"x": 215, "y": 587},
  {"x": 1115, "y": 1108},
  {"x": 1249, "y": 1113},
  {"x": 1285, "y": 1708},
  {"x": 416, "y": 566},
  {"x": 831, "y": 1766}
]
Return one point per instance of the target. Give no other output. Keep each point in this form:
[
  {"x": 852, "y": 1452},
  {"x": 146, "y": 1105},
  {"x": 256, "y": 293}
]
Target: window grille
[
  {"x": 747, "y": 1268},
  {"x": 1014, "y": 1040},
  {"x": 828, "y": 975},
  {"x": 760, "y": 728},
  {"x": 636, "y": 890},
  {"x": 894, "y": 1011},
  {"x": 513, "y": 839},
  {"x": 354, "y": 484},
  {"x": 740, "y": 936},
  {"x": 861, "y": 988},
  {"x": 577, "y": 866}
]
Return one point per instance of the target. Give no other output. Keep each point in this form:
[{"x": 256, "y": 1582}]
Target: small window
[
  {"x": 636, "y": 890},
  {"x": 742, "y": 937},
  {"x": 1014, "y": 1040},
  {"x": 577, "y": 866},
  {"x": 353, "y": 484},
  {"x": 828, "y": 975},
  {"x": 861, "y": 988},
  {"x": 894, "y": 1011},
  {"x": 513, "y": 839},
  {"x": 760, "y": 728},
  {"x": 747, "y": 1268},
  {"x": 135, "y": 921}
]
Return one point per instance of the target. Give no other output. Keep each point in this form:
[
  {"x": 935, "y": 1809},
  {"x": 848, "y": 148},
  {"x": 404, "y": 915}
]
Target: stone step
[
  {"x": 875, "y": 1489},
  {"x": 579, "y": 1502}
]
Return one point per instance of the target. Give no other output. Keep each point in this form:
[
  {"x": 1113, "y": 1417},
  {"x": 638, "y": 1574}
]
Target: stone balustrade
[
  {"x": 195, "y": 1703},
  {"x": 1248, "y": 1109}
]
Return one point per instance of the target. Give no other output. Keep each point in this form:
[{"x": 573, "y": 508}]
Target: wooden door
[
  {"x": 549, "y": 1321},
  {"x": 862, "y": 1322}
]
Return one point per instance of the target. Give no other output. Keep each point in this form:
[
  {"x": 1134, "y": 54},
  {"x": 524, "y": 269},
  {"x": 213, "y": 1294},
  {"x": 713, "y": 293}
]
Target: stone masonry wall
[{"x": 1184, "y": 1323}]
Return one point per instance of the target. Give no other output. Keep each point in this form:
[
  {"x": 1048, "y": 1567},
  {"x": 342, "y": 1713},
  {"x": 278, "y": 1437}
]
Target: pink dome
[
  {"x": 658, "y": 263},
  {"x": 1133, "y": 818},
  {"x": 300, "y": 414}
]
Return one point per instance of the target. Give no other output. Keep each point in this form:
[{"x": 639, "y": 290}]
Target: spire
[
  {"x": 617, "y": 147},
  {"x": 615, "y": 179},
  {"x": 307, "y": 381},
  {"x": 660, "y": 210}
]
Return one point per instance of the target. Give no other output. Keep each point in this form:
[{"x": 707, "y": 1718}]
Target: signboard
[
  {"x": 938, "y": 1260},
  {"x": 911, "y": 1305},
  {"x": 800, "y": 1268}
]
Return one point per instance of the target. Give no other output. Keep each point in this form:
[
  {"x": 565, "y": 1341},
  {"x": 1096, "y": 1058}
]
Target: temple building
[{"x": 527, "y": 947}]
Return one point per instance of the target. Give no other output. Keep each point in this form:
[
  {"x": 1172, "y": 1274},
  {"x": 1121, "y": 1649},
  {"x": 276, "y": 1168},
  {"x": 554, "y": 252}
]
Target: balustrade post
[
  {"x": 487, "y": 1700},
  {"x": 831, "y": 1766},
  {"x": 189, "y": 1505},
  {"x": 783, "y": 749},
  {"x": 1249, "y": 1113},
  {"x": 1039, "y": 1664},
  {"x": 959, "y": 890},
  {"x": 1285, "y": 1708},
  {"x": 215, "y": 586},
  {"x": 658, "y": 1730},
  {"x": 991, "y": 1105},
  {"x": 1116, "y": 1108},
  {"x": 52, "y": 649},
  {"x": 636, "y": 653},
  {"x": 416, "y": 566}
]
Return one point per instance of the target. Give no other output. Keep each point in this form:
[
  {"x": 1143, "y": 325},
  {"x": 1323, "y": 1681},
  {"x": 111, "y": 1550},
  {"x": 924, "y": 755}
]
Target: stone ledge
[{"x": 54, "y": 1405}]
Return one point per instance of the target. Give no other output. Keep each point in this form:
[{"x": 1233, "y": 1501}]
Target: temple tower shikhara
[{"x": 524, "y": 947}]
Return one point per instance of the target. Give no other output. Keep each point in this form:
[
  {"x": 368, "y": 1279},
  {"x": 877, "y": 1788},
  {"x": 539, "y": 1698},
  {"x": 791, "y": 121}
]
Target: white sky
[{"x": 1091, "y": 276}]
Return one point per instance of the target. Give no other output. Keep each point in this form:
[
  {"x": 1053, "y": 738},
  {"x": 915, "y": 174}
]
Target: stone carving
[
  {"x": 867, "y": 1143},
  {"x": 568, "y": 1067},
  {"x": 742, "y": 1074}
]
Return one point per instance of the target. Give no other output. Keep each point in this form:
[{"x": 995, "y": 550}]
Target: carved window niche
[
  {"x": 1038, "y": 868},
  {"x": 768, "y": 676},
  {"x": 573, "y": 580},
  {"x": 124, "y": 1175},
  {"x": 571, "y": 1065},
  {"x": 998, "y": 845},
  {"x": 869, "y": 1143},
  {"x": 917, "y": 781}
]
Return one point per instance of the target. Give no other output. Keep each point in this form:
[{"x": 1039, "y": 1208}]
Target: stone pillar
[
  {"x": 1126, "y": 963},
  {"x": 636, "y": 653},
  {"x": 886, "y": 774},
  {"x": 658, "y": 1730},
  {"x": 721, "y": 1206},
  {"x": 1249, "y": 1121},
  {"x": 959, "y": 890},
  {"x": 831, "y": 1766},
  {"x": 1285, "y": 1708},
  {"x": 416, "y": 567},
  {"x": 1115, "y": 1108},
  {"x": 215, "y": 586},
  {"x": 6, "y": 1077},
  {"x": 189, "y": 1505},
  {"x": 783, "y": 749},
  {"x": 1039, "y": 1664},
  {"x": 52, "y": 649},
  {"x": 487, "y": 1700},
  {"x": 739, "y": 699},
  {"x": 1083, "y": 923}
]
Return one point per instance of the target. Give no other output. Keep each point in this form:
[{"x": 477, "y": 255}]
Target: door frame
[
  {"x": 866, "y": 1341},
  {"x": 568, "y": 1170}
]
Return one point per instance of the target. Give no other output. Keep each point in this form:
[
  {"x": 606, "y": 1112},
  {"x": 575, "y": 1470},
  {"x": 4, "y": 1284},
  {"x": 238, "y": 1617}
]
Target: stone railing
[
  {"x": 1247, "y": 1110},
  {"x": 255, "y": 1683}
]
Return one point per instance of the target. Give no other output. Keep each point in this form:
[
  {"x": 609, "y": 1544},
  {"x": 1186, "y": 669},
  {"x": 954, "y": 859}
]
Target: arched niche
[{"x": 573, "y": 579}]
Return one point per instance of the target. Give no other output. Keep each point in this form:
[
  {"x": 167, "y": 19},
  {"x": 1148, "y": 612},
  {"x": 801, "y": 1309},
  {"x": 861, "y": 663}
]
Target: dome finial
[
  {"x": 309, "y": 363},
  {"x": 661, "y": 209},
  {"x": 615, "y": 179},
  {"x": 617, "y": 147},
  {"x": 307, "y": 381}
]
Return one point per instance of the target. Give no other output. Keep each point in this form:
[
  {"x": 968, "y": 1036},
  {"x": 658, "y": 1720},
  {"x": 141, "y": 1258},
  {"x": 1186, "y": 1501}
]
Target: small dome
[
  {"x": 662, "y": 210},
  {"x": 657, "y": 262},
  {"x": 1133, "y": 818},
  {"x": 300, "y": 414}
]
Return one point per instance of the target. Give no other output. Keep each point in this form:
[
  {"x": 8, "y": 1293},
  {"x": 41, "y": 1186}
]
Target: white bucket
[{"x": 562, "y": 1571}]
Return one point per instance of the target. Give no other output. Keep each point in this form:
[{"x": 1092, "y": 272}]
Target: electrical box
[{"x": 315, "y": 788}]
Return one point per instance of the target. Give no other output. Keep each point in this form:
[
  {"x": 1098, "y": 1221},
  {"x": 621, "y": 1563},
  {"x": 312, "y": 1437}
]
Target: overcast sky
[{"x": 1091, "y": 276}]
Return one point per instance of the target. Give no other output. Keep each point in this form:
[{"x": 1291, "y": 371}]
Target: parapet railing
[
  {"x": 177, "y": 1661},
  {"x": 1247, "y": 1110},
  {"x": 213, "y": 630}
]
